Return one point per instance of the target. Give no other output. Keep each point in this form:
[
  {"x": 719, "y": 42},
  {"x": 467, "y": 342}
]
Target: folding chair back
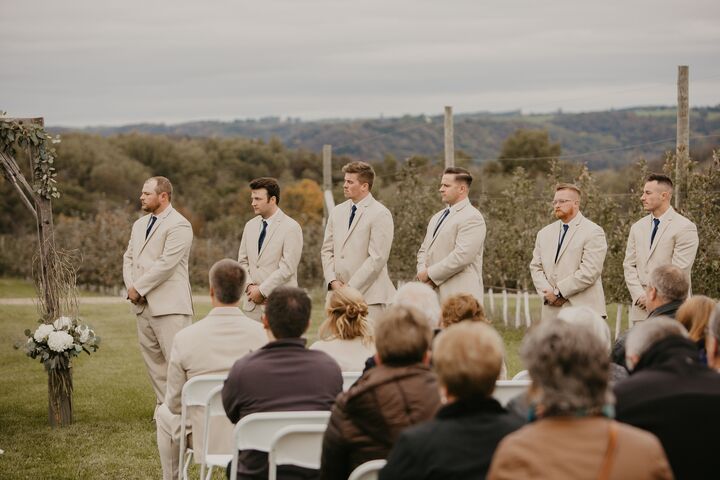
[
  {"x": 257, "y": 430},
  {"x": 214, "y": 415},
  {"x": 194, "y": 394},
  {"x": 299, "y": 445},
  {"x": 505, "y": 390},
  {"x": 349, "y": 378},
  {"x": 368, "y": 470}
]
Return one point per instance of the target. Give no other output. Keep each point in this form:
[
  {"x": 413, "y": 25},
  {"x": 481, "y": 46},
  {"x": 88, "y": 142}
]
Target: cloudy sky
[{"x": 91, "y": 62}]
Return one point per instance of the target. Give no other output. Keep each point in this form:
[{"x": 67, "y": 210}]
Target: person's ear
[
  {"x": 212, "y": 292},
  {"x": 378, "y": 360},
  {"x": 631, "y": 361},
  {"x": 426, "y": 357}
]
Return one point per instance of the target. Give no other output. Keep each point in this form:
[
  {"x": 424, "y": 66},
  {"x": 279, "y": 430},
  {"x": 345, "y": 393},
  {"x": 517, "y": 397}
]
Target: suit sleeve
[
  {"x": 177, "y": 245},
  {"x": 381, "y": 238},
  {"x": 243, "y": 255},
  {"x": 176, "y": 379},
  {"x": 422, "y": 252},
  {"x": 291, "y": 253},
  {"x": 591, "y": 265},
  {"x": 632, "y": 279},
  {"x": 128, "y": 262},
  {"x": 468, "y": 243},
  {"x": 327, "y": 251},
  {"x": 536, "y": 268},
  {"x": 686, "y": 247}
]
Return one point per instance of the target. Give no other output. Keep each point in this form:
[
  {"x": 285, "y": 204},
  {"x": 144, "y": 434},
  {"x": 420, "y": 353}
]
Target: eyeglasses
[{"x": 559, "y": 202}]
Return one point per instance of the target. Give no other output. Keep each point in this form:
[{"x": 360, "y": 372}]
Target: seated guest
[
  {"x": 461, "y": 307},
  {"x": 694, "y": 314},
  {"x": 346, "y": 334},
  {"x": 712, "y": 340},
  {"x": 400, "y": 391},
  {"x": 671, "y": 394},
  {"x": 667, "y": 289},
  {"x": 422, "y": 297},
  {"x": 281, "y": 376},
  {"x": 209, "y": 346},
  {"x": 460, "y": 441},
  {"x": 573, "y": 436}
]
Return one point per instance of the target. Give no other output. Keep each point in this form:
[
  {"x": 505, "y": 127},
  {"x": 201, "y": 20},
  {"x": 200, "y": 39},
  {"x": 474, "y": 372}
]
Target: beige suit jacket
[
  {"x": 453, "y": 257},
  {"x": 357, "y": 256},
  {"x": 676, "y": 242},
  {"x": 158, "y": 266},
  {"x": 209, "y": 346},
  {"x": 577, "y": 272},
  {"x": 277, "y": 262}
]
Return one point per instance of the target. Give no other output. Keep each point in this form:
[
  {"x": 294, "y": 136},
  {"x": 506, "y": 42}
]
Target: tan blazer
[
  {"x": 158, "y": 266},
  {"x": 577, "y": 273},
  {"x": 277, "y": 262},
  {"x": 209, "y": 346},
  {"x": 453, "y": 257},
  {"x": 676, "y": 242},
  {"x": 572, "y": 448},
  {"x": 358, "y": 255}
]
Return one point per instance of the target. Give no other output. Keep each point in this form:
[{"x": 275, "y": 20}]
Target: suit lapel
[
  {"x": 453, "y": 211},
  {"x": 664, "y": 225},
  {"x": 272, "y": 228},
  {"x": 160, "y": 219},
  {"x": 252, "y": 239},
  {"x": 574, "y": 227},
  {"x": 362, "y": 206}
]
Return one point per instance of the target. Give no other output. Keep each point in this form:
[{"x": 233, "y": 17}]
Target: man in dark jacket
[
  {"x": 667, "y": 289},
  {"x": 400, "y": 391},
  {"x": 460, "y": 441},
  {"x": 672, "y": 395},
  {"x": 281, "y": 376}
]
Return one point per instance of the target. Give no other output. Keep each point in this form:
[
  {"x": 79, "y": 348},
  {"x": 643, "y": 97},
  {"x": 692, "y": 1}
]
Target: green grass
[
  {"x": 18, "y": 288},
  {"x": 113, "y": 435}
]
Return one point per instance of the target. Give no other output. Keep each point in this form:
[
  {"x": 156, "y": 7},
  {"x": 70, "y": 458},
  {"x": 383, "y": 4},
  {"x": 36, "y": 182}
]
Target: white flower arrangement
[{"x": 55, "y": 344}]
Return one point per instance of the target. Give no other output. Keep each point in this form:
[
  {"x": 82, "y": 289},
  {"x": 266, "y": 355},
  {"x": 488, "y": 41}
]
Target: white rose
[
  {"x": 59, "y": 341},
  {"x": 42, "y": 332},
  {"x": 85, "y": 334},
  {"x": 62, "y": 323}
]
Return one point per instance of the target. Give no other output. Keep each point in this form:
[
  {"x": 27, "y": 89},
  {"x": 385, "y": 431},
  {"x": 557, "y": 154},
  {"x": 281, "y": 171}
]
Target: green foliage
[{"x": 530, "y": 149}]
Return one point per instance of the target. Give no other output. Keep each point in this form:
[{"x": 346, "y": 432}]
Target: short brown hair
[
  {"x": 568, "y": 186},
  {"x": 364, "y": 171},
  {"x": 461, "y": 174},
  {"x": 661, "y": 179},
  {"x": 462, "y": 306},
  {"x": 346, "y": 316},
  {"x": 468, "y": 357},
  {"x": 402, "y": 336},
  {"x": 694, "y": 315},
  {"x": 270, "y": 185},
  {"x": 163, "y": 185},
  {"x": 227, "y": 279},
  {"x": 288, "y": 312}
]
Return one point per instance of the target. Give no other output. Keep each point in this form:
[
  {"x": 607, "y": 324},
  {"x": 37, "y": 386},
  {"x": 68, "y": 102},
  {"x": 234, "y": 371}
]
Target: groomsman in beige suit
[
  {"x": 568, "y": 258},
  {"x": 270, "y": 247},
  {"x": 155, "y": 271},
  {"x": 662, "y": 237},
  {"x": 209, "y": 346},
  {"x": 358, "y": 237},
  {"x": 450, "y": 258}
]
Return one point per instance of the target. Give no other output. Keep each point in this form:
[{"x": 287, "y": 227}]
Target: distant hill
[{"x": 477, "y": 135}]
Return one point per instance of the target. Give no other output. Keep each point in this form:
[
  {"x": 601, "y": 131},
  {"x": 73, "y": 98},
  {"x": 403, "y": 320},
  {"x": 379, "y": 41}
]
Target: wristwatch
[{"x": 557, "y": 293}]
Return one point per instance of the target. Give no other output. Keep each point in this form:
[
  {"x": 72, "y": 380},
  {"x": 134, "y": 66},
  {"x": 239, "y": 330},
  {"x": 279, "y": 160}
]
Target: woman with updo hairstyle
[
  {"x": 694, "y": 314},
  {"x": 346, "y": 334}
]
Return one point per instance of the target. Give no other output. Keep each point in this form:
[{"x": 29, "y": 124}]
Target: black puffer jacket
[{"x": 367, "y": 419}]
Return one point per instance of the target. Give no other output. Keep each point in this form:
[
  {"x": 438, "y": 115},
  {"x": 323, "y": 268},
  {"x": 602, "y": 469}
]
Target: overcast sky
[{"x": 91, "y": 62}]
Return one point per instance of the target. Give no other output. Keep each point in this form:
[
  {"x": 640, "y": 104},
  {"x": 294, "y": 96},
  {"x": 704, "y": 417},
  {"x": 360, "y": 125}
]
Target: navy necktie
[
  {"x": 562, "y": 237},
  {"x": 352, "y": 215},
  {"x": 442, "y": 219},
  {"x": 656, "y": 222},
  {"x": 153, "y": 218},
  {"x": 262, "y": 236}
]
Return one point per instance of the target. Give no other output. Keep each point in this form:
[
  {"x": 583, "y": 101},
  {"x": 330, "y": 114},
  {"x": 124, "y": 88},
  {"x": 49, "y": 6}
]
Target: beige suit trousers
[{"x": 156, "y": 335}]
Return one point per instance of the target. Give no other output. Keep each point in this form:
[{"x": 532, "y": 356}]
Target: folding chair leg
[
  {"x": 209, "y": 473},
  {"x": 186, "y": 464}
]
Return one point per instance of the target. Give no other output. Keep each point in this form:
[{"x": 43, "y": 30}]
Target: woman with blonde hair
[
  {"x": 694, "y": 315},
  {"x": 346, "y": 334}
]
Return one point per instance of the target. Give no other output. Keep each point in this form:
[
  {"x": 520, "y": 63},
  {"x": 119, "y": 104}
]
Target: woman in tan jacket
[{"x": 574, "y": 436}]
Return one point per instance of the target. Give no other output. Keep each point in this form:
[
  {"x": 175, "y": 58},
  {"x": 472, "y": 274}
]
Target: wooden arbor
[{"x": 53, "y": 289}]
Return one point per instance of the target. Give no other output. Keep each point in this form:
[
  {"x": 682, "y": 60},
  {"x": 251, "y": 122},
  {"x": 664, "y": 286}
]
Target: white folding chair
[
  {"x": 368, "y": 470},
  {"x": 505, "y": 390},
  {"x": 214, "y": 408},
  {"x": 522, "y": 375},
  {"x": 299, "y": 445},
  {"x": 349, "y": 378},
  {"x": 194, "y": 394},
  {"x": 257, "y": 430}
]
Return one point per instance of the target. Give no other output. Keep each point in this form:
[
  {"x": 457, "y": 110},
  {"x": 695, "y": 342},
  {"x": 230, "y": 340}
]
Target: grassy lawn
[
  {"x": 17, "y": 288},
  {"x": 113, "y": 435}
]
